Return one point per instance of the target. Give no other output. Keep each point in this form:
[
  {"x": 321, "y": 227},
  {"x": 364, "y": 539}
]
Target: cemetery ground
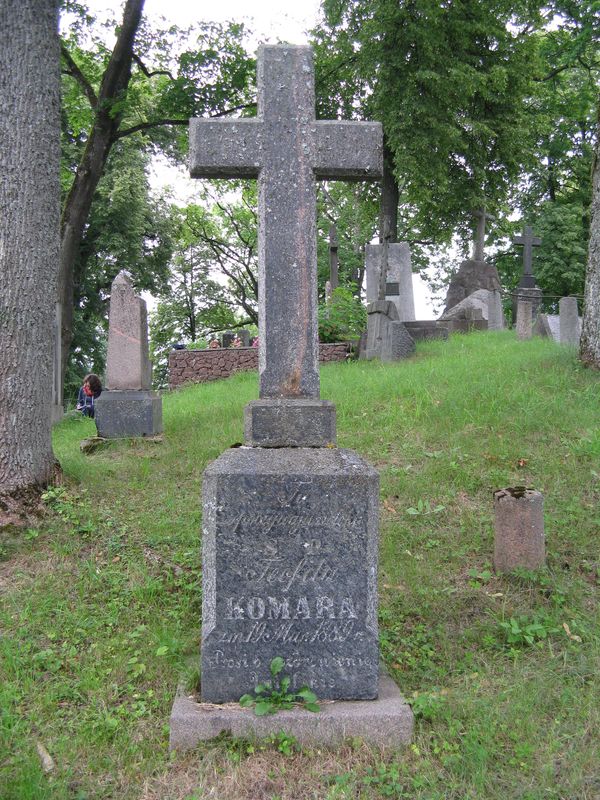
[{"x": 100, "y": 601}]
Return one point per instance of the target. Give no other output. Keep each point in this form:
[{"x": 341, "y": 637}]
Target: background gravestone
[
  {"x": 399, "y": 284},
  {"x": 127, "y": 406},
  {"x": 569, "y": 322},
  {"x": 290, "y": 526},
  {"x": 387, "y": 337},
  {"x": 524, "y": 320}
]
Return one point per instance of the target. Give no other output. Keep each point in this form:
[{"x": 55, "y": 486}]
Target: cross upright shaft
[
  {"x": 528, "y": 240},
  {"x": 286, "y": 149}
]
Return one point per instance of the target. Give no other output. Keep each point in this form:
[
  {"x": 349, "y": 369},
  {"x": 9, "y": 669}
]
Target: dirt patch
[
  {"x": 23, "y": 569},
  {"x": 260, "y": 776}
]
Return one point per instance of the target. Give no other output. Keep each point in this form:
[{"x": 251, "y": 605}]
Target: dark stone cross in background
[{"x": 527, "y": 240}]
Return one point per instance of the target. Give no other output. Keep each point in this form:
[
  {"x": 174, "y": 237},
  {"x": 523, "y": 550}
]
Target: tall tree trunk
[
  {"x": 590, "y": 335},
  {"x": 102, "y": 137},
  {"x": 29, "y": 237},
  {"x": 388, "y": 214}
]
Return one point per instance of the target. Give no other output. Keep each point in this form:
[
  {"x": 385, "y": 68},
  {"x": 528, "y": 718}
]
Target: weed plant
[{"x": 100, "y": 602}]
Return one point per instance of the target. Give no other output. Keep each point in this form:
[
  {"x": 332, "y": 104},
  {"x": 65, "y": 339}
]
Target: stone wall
[{"x": 198, "y": 366}]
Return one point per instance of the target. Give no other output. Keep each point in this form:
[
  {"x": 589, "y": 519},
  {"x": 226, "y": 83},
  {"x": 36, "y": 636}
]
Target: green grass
[{"x": 100, "y": 603}]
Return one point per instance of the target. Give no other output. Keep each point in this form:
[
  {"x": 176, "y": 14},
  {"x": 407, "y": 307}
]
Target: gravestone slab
[
  {"x": 228, "y": 338},
  {"x": 519, "y": 539},
  {"x": 478, "y": 301},
  {"x": 547, "y": 325},
  {"x": 569, "y": 322},
  {"x": 127, "y": 359},
  {"x": 495, "y": 314},
  {"x": 399, "y": 286},
  {"x": 127, "y": 406},
  {"x": 290, "y": 569}
]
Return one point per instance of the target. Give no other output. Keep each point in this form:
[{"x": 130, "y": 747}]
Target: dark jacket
[{"x": 85, "y": 403}]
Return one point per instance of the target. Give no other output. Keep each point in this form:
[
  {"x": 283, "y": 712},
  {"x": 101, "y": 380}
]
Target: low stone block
[
  {"x": 290, "y": 569},
  {"x": 289, "y": 423},
  {"x": 518, "y": 529},
  {"x": 524, "y": 319},
  {"x": 423, "y": 329},
  {"x": 128, "y": 413},
  {"x": 397, "y": 343},
  {"x": 384, "y": 722}
]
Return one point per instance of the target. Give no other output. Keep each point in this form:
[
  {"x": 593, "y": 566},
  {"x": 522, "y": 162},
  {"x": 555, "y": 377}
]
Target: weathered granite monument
[
  {"x": 527, "y": 288},
  {"x": 474, "y": 273},
  {"x": 290, "y": 521},
  {"x": 399, "y": 280},
  {"x": 128, "y": 406}
]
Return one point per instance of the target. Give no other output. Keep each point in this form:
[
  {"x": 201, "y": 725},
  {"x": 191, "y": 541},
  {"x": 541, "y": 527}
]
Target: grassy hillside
[{"x": 100, "y": 604}]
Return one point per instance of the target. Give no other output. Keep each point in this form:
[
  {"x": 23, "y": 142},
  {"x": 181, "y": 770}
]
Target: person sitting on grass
[{"x": 88, "y": 394}]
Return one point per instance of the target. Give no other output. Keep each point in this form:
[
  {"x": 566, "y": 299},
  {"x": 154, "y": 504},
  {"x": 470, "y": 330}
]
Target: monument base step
[
  {"x": 385, "y": 722},
  {"x": 128, "y": 413}
]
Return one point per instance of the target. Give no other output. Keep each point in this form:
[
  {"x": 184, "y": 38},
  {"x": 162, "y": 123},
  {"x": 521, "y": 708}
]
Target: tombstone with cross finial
[
  {"x": 528, "y": 241},
  {"x": 527, "y": 290},
  {"x": 289, "y": 521}
]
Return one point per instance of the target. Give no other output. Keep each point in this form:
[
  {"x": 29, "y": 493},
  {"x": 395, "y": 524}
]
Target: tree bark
[
  {"x": 388, "y": 215},
  {"x": 589, "y": 351},
  {"x": 29, "y": 238},
  {"x": 103, "y": 135}
]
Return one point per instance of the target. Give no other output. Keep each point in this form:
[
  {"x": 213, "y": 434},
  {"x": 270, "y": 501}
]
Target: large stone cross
[
  {"x": 286, "y": 148},
  {"x": 527, "y": 240}
]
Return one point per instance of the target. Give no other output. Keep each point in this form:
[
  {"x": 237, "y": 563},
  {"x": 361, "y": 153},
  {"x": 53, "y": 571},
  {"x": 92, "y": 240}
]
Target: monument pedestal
[
  {"x": 385, "y": 722},
  {"x": 290, "y": 569},
  {"x": 121, "y": 414}
]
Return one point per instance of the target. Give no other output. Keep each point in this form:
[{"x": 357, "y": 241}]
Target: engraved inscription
[
  {"x": 283, "y": 608},
  {"x": 278, "y": 570}
]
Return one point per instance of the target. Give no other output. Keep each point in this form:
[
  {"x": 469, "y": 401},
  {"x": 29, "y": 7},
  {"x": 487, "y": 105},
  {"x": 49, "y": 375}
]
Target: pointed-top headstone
[{"x": 127, "y": 360}]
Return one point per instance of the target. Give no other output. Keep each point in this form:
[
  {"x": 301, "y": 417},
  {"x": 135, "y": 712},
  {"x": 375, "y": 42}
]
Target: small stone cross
[
  {"x": 527, "y": 240},
  {"x": 286, "y": 148}
]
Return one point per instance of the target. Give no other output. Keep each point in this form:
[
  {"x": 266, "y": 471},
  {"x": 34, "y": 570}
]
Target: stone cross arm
[{"x": 238, "y": 148}]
